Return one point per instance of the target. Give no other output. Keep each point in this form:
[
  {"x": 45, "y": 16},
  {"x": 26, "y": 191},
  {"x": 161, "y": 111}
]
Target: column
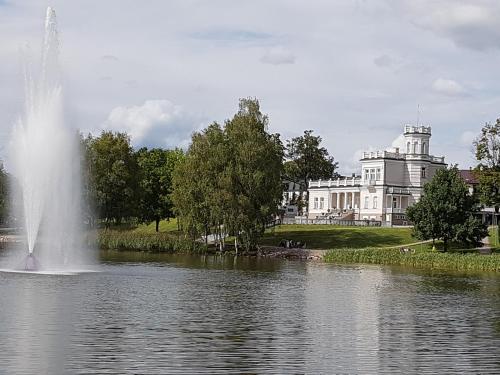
[
  {"x": 345, "y": 200},
  {"x": 338, "y": 200}
]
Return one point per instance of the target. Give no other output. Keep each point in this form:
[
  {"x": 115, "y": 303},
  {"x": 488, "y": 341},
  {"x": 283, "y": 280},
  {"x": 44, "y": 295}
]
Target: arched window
[
  {"x": 424, "y": 148},
  {"x": 408, "y": 148},
  {"x": 415, "y": 147}
]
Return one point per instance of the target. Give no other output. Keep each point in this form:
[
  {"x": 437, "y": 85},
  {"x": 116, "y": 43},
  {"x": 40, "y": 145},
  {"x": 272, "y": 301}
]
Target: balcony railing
[
  {"x": 395, "y": 210},
  {"x": 351, "y": 181},
  {"x": 396, "y": 190},
  {"x": 382, "y": 154}
]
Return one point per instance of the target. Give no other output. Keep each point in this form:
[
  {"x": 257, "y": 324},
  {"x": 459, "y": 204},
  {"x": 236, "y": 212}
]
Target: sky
[{"x": 354, "y": 71}]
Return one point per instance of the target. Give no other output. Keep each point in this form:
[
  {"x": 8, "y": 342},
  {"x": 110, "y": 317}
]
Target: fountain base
[{"x": 31, "y": 263}]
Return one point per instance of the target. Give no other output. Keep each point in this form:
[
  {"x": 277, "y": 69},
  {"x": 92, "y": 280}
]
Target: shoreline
[{"x": 429, "y": 260}]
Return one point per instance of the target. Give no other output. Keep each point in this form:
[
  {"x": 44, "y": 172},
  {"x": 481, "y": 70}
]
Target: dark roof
[{"x": 468, "y": 176}]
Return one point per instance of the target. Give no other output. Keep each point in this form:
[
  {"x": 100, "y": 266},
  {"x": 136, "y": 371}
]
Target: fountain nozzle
[{"x": 31, "y": 264}]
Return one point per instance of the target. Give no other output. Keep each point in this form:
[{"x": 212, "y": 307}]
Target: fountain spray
[{"x": 46, "y": 162}]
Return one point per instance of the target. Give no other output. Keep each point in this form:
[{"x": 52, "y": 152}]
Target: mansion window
[
  {"x": 367, "y": 174},
  {"x": 394, "y": 202},
  {"x": 423, "y": 172},
  {"x": 372, "y": 174},
  {"x": 378, "y": 174},
  {"x": 316, "y": 203},
  {"x": 366, "y": 202},
  {"x": 321, "y": 203},
  {"x": 375, "y": 201}
]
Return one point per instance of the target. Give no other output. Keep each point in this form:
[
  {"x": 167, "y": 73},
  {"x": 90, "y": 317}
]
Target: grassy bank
[
  {"x": 418, "y": 259},
  {"x": 337, "y": 237},
  {"x": 494, "y": 238},
  {"x": 143, "y": 241}
]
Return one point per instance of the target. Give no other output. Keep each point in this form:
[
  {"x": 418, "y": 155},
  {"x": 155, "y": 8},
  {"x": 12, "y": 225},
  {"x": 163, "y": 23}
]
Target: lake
[{"x": 169, "y": 314}]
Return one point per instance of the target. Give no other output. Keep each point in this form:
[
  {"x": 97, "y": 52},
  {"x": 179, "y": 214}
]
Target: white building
[
  {"x": 291, "y": 197},
  {"x": 390, "y": 181}
]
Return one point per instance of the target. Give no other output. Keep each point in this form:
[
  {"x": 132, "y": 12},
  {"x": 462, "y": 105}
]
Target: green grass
[
  {"x": 337, "y": 237},
  {"x": 419, "y": 259},
  {"x": 149, "y": 228},
  {"x": 165, "y": 226},
  {"x": 494, "y": 239}
]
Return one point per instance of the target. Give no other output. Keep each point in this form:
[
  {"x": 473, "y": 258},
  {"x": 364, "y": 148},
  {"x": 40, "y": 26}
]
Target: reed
[
  {"x": 424, "y": 259},
  {"x": 149, "y": 242}
]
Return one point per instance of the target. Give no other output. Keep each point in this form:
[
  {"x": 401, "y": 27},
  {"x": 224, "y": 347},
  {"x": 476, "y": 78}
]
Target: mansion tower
[{"x": 390, "y": 181}]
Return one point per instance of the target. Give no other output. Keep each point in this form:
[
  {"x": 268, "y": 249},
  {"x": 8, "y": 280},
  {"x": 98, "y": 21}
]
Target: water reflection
[
  {"x": 160, "y": 314},
  {"x": 35, "y": 323}
]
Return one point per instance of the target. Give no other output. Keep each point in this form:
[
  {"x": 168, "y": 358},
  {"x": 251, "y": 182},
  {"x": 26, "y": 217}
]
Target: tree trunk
[
  {"x": 223, "y": 240},
  {"x": 206, "y": 236},
  {"x": 157, "y": 224},
  {"x": 236, "y": 245}
]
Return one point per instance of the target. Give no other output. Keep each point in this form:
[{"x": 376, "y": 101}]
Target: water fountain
[{"x": 46, "y": 164}]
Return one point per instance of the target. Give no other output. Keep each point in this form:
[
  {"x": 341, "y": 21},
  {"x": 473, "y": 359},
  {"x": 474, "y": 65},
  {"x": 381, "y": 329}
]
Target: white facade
[
  {"x": 390, "y": 181},
  {"x": 291, "y": 195}
]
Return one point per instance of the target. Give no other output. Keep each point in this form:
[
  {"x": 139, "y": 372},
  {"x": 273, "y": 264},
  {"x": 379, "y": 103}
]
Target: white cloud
[
  {"x": 383, "y": 61},
  {"x": 471, "y": 24},
  {"x": 467, "y": 137},
  {"x": 109, "y": 58},
  {"x": 399, "y": 142},
  {"x": 157, "y": 123},
  {"x": 278, "y": 56},
  {"x": 448, "y": 87}
]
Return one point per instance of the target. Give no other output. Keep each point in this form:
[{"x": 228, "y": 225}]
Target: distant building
[
  {"x": 390, "y": 181},
  {"x": 291, "y": 197}
]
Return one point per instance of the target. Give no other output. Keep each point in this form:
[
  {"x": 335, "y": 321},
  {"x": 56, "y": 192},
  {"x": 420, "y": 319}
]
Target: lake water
[{"x": 160, "y": 314}]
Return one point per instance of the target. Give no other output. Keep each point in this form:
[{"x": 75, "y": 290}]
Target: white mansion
[{"x": 390, "y": 182}]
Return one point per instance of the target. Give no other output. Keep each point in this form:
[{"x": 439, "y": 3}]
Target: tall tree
[
  {"x": 198, "y": 190},
  {"x": 230, "y": 180},
  {"x": 113, "y": 176},
  {"x": 156, "y": 167},
  {"x": 487, "y": 150},
  {"x": 308, "y": 160},
  {"x": 254, "y": 169},
  {"x": 446, "y": 211}
]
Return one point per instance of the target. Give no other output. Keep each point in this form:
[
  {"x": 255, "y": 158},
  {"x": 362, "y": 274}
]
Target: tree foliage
[
  {"x": 197, "y": 186},
  {"x": 487, "y": 151},
  {"x": 4, "y": 196},
  {"x": 230, "y": 180},
  {"x": 111, "y": 170},
  {"x": 307, "y": 160},
  {"x": 446, "y": 211},
  {"x": 155, "y": 183}
]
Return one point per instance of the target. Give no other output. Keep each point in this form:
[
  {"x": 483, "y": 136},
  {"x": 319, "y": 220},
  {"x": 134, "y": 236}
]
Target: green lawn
[
  {"x": 165, "y": 226},
  {"x": 337, "y": 237},
  {"x": 494, "y": 239}
]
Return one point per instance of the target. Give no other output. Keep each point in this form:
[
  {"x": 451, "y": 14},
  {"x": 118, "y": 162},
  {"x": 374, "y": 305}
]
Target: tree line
[{"x": 229, "y": 182}]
